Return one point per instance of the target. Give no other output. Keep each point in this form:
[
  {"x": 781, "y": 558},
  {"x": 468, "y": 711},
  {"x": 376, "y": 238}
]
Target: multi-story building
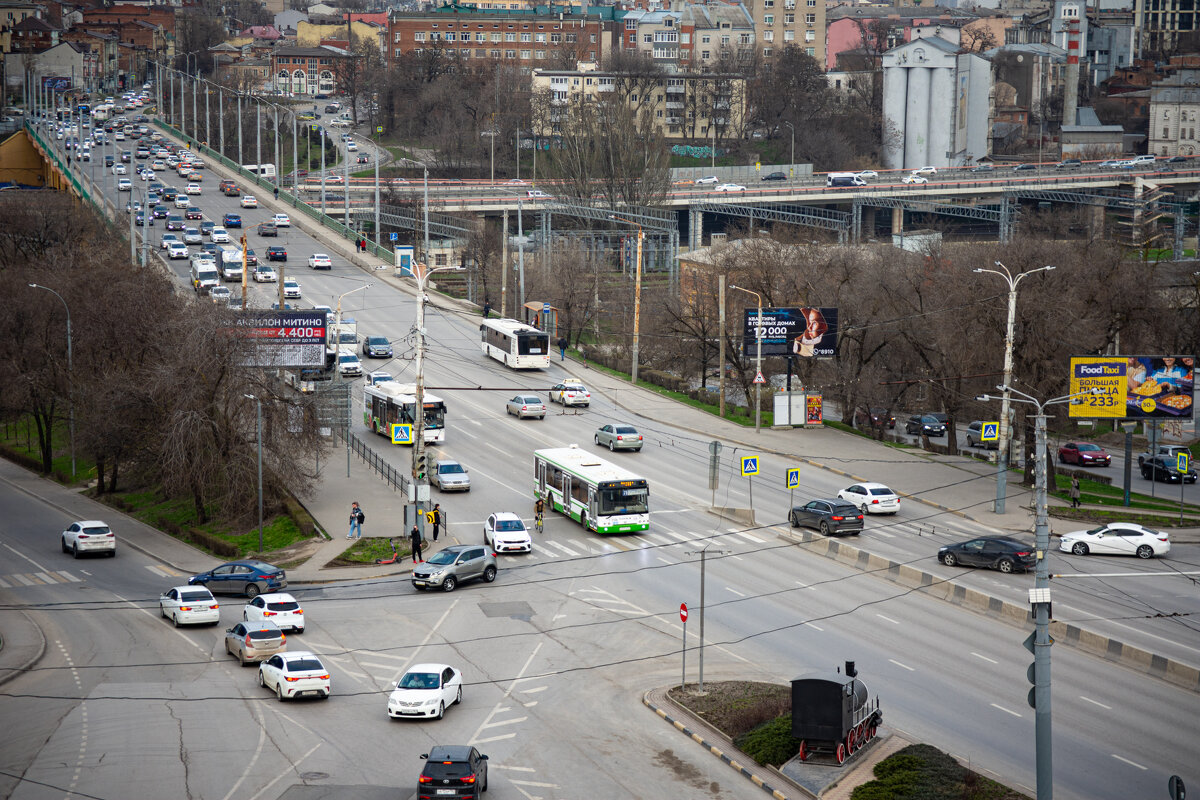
[
  {"x": 1175, "y": 114},
  {"x": 697, "y": 36},
  {"x": 307, "y": 70},
  {"x": 1109, "y": 39},
  {"x": 780, "y": 23},
  {"x": 1162, "y": 23},
  {"x": 527, "y": 38},
  {"x": 876, "y": 29},
  {"x": 682, "y": 105}
]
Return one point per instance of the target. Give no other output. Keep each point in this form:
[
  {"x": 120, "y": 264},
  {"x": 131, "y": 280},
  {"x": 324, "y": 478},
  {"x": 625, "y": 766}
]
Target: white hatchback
[
  {"x": 282, "y": 221},
  {"x": 249, "y": 201},
  {"x": 193, "y": 188},
  {"x": 189, "y": 605},
  {"x": 292, "y": 675},
  {"x": 871, "y": 498},
  {"x": 279, "y": 607},
  {"x": 89, "y": 536}
]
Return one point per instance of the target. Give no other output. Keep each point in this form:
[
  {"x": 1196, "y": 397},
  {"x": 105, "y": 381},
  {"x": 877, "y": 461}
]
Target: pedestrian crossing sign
[
  {"x": 793, "y": 477},
  {"x": 1181, "y": 462},
  {"x": 402, "y": 434},
  {"x": 990, "y": 432},
  {"x": 749, "y": 465}
]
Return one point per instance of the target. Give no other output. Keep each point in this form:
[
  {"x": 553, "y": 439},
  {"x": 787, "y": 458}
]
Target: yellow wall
[
  {"x": 20, "y": 162},
  {"x": 309, "y": 34}
]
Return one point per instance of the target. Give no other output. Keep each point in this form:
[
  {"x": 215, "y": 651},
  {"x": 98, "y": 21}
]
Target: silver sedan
[
  {"x": 618, "y": 437},
  {"x": 526, "y": 405}
]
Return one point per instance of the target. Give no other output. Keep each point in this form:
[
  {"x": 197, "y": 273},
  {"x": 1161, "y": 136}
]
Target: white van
[
  {"x": 204, "y": 277},
  {"x": 844, "y": 179}
]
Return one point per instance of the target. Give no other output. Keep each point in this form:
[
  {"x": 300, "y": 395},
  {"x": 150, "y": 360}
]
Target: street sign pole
[
  {"x": 1181, "y": 466},
  {"x": 683, "y": 615}
]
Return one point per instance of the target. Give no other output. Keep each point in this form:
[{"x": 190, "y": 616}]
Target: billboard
[
  {"x": 283, "y": 338},
  {"x": 804, "y": 332},
  {"x": 1133, "y": 387},
  {"x": 57, "y": 83}
]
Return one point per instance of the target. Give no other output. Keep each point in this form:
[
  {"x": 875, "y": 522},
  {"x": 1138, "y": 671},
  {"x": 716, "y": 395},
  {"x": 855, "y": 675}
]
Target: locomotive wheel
[
  {"x": 851, "y": 742},
  {"x": 803, "y": 751},
  {"x": 871, "y": 731},
  {"x": 840, "y": 754},
  {"x": 860, "y": 733}
]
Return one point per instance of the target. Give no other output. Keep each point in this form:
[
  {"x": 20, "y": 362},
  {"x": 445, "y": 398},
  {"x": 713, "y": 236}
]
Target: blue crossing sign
[
  {"x": 793, "y": 477},
  {"x": 393, "y": 237},
  {"x": 1182, "y": 462},
  {"x": 402, "y": 434},
  {"x": 990, "y": 432},
  {"x": 749, "y": 465}
]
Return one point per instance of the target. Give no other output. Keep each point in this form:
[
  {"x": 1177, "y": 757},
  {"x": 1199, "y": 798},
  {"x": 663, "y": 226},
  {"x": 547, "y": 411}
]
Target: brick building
[{"x": 307, "y": 70}]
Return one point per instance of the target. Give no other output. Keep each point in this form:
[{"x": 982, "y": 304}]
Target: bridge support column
[
  {"x": 696, "y": 230},
  {"x": 866, "y": 224},
  {"x": 1096, "y": 223},
  {"x": 897, "y": 220}
]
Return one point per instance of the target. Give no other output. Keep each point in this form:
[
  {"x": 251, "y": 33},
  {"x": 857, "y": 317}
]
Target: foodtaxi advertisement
[{"x": 1133, "y": 387}]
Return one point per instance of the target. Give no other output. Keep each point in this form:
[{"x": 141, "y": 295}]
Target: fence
[{"x": 394, "y": 478}]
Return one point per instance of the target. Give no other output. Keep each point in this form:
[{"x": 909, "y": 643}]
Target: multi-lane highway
[{"x": 558, "y": 650}]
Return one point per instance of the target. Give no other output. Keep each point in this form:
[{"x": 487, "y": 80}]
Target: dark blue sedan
[
  {"x": 249, "y": 577},
  {"x": 232, "y": 221}
]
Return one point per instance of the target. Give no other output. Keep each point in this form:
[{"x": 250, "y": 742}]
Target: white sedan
[
  {"x": 707, "y": 179},
  {"x": 291, "y": 288},
  {"x": 1117, "y": 539},
  {"x": 278, "y": 607},
  {"x": 282, "y": 221},
  {"x": 915, "y": 178},
  {"x": 189, "y": 605},
  {"x": 871, "y": 498},
  {"x": 193, "y": 188},
  {"x": 729, "y": 187},
  {"x": 925, "y": 171},
  {"x": 220, "y": 235},
  {"x": 570, "y": 393},
  {"x": 249, "y": 201},
  {"x": 292, "y": 675},
  {"x": 425, "y": 691},
  {"x": 867, "y": 173},
  {"x": 319, "y": 261},
  {"x": 124, "y": 185},
  {"x": 119, "y": 169},
  {"x": 177, "y": 250},
  {"x": 89, "y": 536}
]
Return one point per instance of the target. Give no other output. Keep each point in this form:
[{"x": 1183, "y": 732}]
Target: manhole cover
[
  {"x": 517, "y": 610},
  {"x": 313, "y": 776}
]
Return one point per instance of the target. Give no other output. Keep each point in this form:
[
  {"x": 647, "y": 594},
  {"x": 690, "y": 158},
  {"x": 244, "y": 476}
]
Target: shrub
[
  {"x": 214, "y": 544},
  {"x": 771, "y": 743}
]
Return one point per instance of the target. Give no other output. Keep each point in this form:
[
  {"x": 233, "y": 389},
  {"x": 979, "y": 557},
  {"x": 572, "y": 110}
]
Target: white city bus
[
  {"x": 516, "y": 344},
  {"x": 388, "y": 404},
  {"x": 600, "y": 496},
  {"x": 266, "y": 170}
]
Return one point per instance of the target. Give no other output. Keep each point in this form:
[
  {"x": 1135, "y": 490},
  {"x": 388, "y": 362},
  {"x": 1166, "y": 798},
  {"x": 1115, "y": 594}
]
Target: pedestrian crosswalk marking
[
  {"x": 18, "y": 580},
  {"x": 45, "y": 578},
  {"x": 165, "y": 572},
  {"x": 566, "y": 550},
  {"x": 749, "y": 538},
  {"x": 68, "y": 576},
  {"x": 5, "y": 584},
  {"x": 23, "y": 580}
]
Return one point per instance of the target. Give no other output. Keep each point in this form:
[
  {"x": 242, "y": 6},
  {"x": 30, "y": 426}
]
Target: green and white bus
[{"x": 600, "y": 496}]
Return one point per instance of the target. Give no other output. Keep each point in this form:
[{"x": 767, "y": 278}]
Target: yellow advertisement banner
[{"x": 1106, "y": 373}]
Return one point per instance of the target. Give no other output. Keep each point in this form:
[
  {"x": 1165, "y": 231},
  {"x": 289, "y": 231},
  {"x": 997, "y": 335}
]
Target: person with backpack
[
  {"x": 435, "y": 517},
  {"x": 417, "y": 540},
  {"x": 357, "y": 518}
]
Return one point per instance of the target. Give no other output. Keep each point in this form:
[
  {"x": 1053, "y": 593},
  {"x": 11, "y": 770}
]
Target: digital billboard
[
  {"x": 283, "y": 338},
  {"x": 1133, "y": 387},
  {"x": 809, "y": 332}
]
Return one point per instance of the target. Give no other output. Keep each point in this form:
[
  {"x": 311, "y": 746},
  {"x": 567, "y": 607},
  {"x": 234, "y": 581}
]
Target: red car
[{"x": 1085, "y": 454}]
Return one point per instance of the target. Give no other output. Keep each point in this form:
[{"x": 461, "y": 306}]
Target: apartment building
[
  {"x": 780, "y": 23},
  {"x": 1175, "y": 115},
  {"x": 698, "y": 36}
]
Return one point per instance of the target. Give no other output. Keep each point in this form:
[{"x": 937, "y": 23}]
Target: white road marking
[
  {"x": 752, "y": 539},
  {"x": 22, "y": 579},
  {"x": 1094, "y": 702},
  {"x": 564, "y": 548},
  {"x": 499, "y": 738},
  {"x": 902, "y": 666},
  {"x": 290, "y": 771},
  {"x": 5, "y": 584},
  {"x": 815, "y": 627},
  {"x": 985, "y": 658},
  {"x": 68, "y": 576},
  {"x": 1130, "y": 763},
  {"x": 1005, "y": 710},
  {"x": 512, "y": 721},
  {"x": 534, "y": 783},
  {"x": 882, "y": 533},
  {"x": 45, "y": 577},
  {"x": 735, "y": 591},
  {"x": 666, "y": 560},
  {"x": 507, "y": 693},
  {"x": 27, "y": 558},
  {"x": 510, "y": 768},
  {"x": 887, "y": 619}
]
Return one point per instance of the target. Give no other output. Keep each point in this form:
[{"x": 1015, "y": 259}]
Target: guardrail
[{"x": 394, "y": 478}]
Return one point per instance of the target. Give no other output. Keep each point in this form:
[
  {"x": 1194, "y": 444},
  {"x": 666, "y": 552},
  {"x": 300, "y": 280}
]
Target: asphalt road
[{"x": 558, "y": 649}]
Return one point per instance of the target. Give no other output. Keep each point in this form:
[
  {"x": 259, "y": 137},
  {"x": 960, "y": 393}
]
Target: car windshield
[
  {"x": 1101, "y": 529},
  {"x": 304, "y": 665},
  {"x": 1088, "y": 448},
  {"x": 510, "y": 525},
  {"x": 451, "y": 469},
  {"x": 929, "y": 418},
  {"x": 418, "y": 680},
  {"x": 348, "y": 359},
  {"x": 193, "y": 595},
  {"x": 442, "y": 557}
]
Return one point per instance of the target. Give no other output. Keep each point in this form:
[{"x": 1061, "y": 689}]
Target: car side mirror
[
  {"x": 229, "y": 630},
  {"x": 483, "y": 757},
  {"x": 424, "y": 755}
]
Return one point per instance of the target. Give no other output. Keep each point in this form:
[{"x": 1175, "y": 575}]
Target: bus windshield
[
  {"x": 435, "y": 415},
  {"x": 624, "y": 499}
]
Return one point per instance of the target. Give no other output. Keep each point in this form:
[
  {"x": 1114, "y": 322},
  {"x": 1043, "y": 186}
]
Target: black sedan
[
  {"x": 993, "y": 552},
  {"x": 250, "y": 577},
  {"x": 926, "y": 424},
  {"x": 1162, "y": 470},
  {"x": 830, "y": 517},
  {"x": 775, "y": 176},
  {"x": 276, "y": 254}
]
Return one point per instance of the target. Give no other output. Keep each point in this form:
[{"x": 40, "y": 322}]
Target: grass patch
[
  {"x": 922, "y": 772},
  {"x": 19, "y": 441},
  {"x": 370, "y": 550},
  {"x": 735, "y": 707}
]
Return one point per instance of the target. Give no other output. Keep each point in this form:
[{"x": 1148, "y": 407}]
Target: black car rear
[
  {"x": 453, "y": 771},
  {"x": 993, "y": 552},
  {"x": 830, "y": 517}
]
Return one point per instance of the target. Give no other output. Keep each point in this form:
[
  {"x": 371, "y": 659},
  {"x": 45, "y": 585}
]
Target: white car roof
[
  {"x": 196, "y": 588},
  {"x": 89, "y": 523},
  {"x": 278, "y": 597},
  {"x": 875, "y": 486},
  {"x": 505, "y": 514},
  {"x": 429, "y": 668},
  {"x": 292, "y": 655}
]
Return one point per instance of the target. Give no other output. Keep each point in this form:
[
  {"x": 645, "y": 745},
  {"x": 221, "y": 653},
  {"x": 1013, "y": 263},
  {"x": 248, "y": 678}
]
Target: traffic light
[{"x": 420, "y": 465}]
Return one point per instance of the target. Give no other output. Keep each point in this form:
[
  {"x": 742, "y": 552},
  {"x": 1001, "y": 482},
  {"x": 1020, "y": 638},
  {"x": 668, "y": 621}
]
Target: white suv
[
  {"x": 505, "y": 532},
  {"x": 89, "y": 536}
]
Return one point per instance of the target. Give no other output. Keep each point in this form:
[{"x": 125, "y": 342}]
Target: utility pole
[
  {"x": 703, "y": 553},
  {"x": 504, "y": 268},
  {"x": 758, "y": 337},
  {"x": 721, "y": 336}
]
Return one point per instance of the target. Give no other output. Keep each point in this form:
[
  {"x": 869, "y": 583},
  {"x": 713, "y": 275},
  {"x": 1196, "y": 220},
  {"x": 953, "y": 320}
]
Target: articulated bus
[
  {"x": 516, "y": 344},
  {"x": 388, "y": 404},
  {"x": 600, "y": 496}
]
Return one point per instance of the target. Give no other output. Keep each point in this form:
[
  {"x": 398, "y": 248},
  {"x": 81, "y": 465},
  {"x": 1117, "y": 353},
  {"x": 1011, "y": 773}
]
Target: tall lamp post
[
  {"x": 793, "y": 156},
  {"x": 258, "y": 429},
  {"x": 1002, "y": 454},
  {"x": 1039, "y": 596},
  {"x": 758, "y": 337},
  {"x": 637, "y": 296},
  {"x": 70, "y": 374}
]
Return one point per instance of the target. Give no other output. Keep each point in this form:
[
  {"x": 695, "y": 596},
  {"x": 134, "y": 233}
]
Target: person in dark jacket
[{"x": 415, "y": 537}]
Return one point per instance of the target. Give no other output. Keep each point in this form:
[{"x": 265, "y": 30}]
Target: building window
[
  {"x": 497, "y": 37},
  {"x": 704, "y": 55},
  {"x": 539, "y": 54},
  {"x": 789, "y": 19},
  {"x": 1166, "y": 133},
  {"x": 809, "y": 36},
  {"x": 704, "y": 39},
  {"x": 510, "y": 37},
  {"x": 648, "y": 38},
  {"x": 419, "y": 36},
  {"x": 766, "y": 52},
  {"x": 571, "y": 38},
  {"x": 540, "y": 38},
  {"x": 526, "y": 37},
  {"x": 593, "y": 39},
  {"x": 769, "y": 19},
  {"x": 810, "y": 19},
  {"x": 449, "y": 37},
  {"x": 494, "y": 53},
  {"x": 789, "y": 36},
  {"x": 396, "y": 36},
  {"x": 510, "y": 53},
  {"x": 810, "y": 51},
  {"x": 744, "y": 38},
  {"x": 631, "y": 24},
  {"x": 555, "y": 38},
  {"x": 481, "y": 37}
]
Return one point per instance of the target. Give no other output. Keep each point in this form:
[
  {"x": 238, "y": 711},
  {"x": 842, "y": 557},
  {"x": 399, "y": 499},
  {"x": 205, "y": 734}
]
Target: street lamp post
[
  {"x": 1002, "y": 453},
  {"x": 258, "y": 428},
  {"x": 793, "y": 156},
  {"x": 637, "y": 296},
  {"x": 70, "y": 374},
  {"x": 758, "y": 337},
  {"x": 337, "y": 349}
]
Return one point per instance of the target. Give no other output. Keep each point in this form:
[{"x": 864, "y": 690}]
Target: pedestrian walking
[
  {"x": 357, "y": 518},
  {"x": 562, "y": 348},
  {"x": 487, "y": 308},
  {"x": 415, "y": 537},
  {"x": 436, "y": 518},
  {"x": 276, "y": 192},
  {"x": 1074, "y": 493}
]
